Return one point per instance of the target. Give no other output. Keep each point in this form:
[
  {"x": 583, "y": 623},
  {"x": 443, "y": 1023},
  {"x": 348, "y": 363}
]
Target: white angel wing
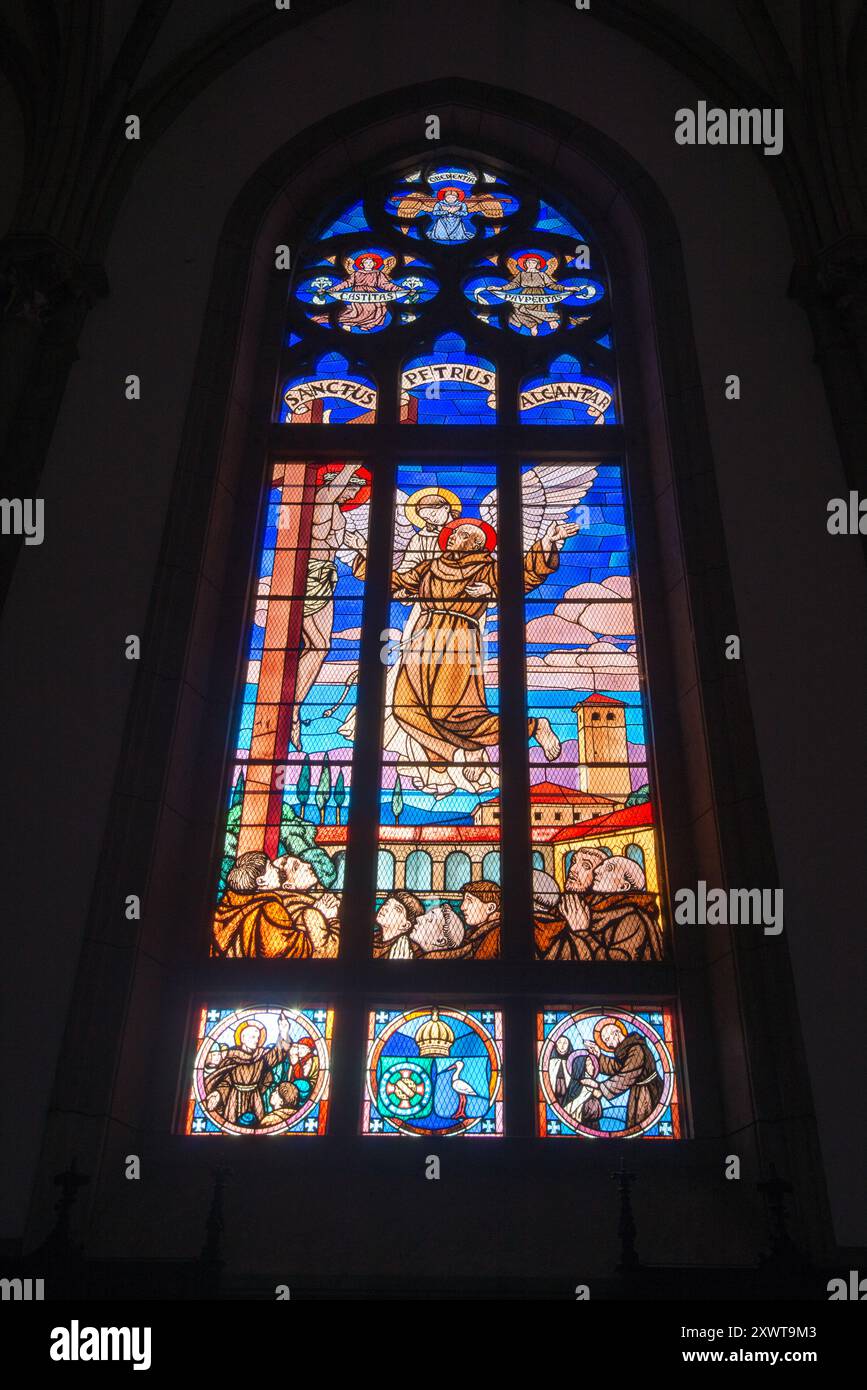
[
  {"x": 357, "y": 519},
  {"x": 488, "y": 509},
  {"x": 549, "y": 493},
  {"x": 403, "y": 528}
]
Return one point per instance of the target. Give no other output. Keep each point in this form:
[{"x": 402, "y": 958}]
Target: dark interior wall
[
  {"x": 13, "y": 152},
  {"x": 109, "y": 475}
]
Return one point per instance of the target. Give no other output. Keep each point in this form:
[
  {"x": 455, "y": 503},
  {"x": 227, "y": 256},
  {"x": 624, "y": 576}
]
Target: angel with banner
[
  {"x": 438, "y": 720},
  {"x": 368, "y": 280},
  {"x": 532, "y": 291},
  {"x": 451, "y": 211}
]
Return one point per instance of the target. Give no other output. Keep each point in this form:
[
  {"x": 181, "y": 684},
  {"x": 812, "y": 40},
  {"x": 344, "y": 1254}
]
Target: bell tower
[{"x": 602, "y": 749}]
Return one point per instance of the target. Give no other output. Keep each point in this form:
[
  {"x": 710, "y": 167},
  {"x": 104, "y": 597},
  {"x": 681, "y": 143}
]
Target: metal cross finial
[{"x": 69, "y": 1182}]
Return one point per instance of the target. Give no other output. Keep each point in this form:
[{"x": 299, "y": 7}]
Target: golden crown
[{"x": 435, "y": 1037}]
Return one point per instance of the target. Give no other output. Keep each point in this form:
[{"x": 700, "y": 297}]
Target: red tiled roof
[
  {"x": 555, "y": 791},
  {"x": 627, "y": 818}
]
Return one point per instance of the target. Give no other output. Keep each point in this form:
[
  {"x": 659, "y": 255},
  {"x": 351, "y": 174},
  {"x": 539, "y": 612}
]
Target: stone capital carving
[
  {"x": 39, "y": 278},
  {"x": 837, "y": 276}
]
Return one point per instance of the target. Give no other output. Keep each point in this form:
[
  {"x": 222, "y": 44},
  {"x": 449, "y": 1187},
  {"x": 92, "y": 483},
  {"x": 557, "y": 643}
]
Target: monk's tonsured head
[
  {"x": 438, "y": 929},
  {"x": 610, "y": 1032},
  {"x": 295, "y": 873},
  {"x": 466, "y": 537},
  {"x": 546, "y": 891},
  {"x": 617, "y": 874},
  {"x": 250, "y": 1036}
]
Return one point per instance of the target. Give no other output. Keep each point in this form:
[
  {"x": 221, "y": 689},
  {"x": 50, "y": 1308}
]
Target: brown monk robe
[
  {"x": 483, "y": 942},
  {"x": 267, "y": 923},
  {"x": 480, "y": 908},
  {"x": 480, "y": 943},
  {"x": 631, "y": 1068},
  {"x": 555, "y": 939},
  {"x": 481, "y": 911},
  {"x": 441, "y": 702},
  {"x": 625, "y": 926},
  {"x": 621, "y": 926},
  {"x": 383, "y": 950},
  {"x": 235, "y": 1083}
]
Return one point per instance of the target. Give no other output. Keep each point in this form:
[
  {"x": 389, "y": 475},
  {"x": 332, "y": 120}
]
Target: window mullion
[
  {"x": 363, "y": 841},
  {"x": 350, "y": 1039},
  {"x": 515, "y": 848},
  {"x": 514, "y": 772}
]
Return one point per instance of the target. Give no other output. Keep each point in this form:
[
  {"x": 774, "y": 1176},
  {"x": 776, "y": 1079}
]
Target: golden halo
[
  {"x": 250, "y": 1023},
  {"x": 603, "y": 1022},
  {"x": 410, "y": 506}
]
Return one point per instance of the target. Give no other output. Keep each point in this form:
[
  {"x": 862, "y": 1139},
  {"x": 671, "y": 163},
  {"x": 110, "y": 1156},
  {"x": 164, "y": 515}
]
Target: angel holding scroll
[
  {"x": 532, "y": 291},
  {"x": 365, "y": 275}
]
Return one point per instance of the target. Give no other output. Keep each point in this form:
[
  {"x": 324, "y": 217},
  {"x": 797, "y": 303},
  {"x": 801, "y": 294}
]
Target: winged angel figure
[
  {"x": 366, "y": 291},
  {"x": 438, "y": 721},
  {"x": 450, "y": 209},
  {"x": 532, "y": 291}
]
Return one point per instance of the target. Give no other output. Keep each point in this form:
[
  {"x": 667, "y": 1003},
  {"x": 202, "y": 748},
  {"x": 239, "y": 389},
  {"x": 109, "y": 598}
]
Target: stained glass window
[
  {"x": 565, "y": 394},
  {"x": 444, "y": 609},
  {"x": 531, "y": 292},
  {"x": 364, "y": 291},
  {"x": 451, "y": 203},
  {"x": 434, "y": 1072},
  {"x": 607, "y": 1074},
  {"x": 448, "y": 386},
  {"x": 595, "y": 885},
  {"x": 279, "y": 889},
  {"x": 550, "y": 220},
  {"x": 262, "y": 1071},
  {"x": 330, "y": 393},
  {"x": 441, "y": 755},
  {"x": 351, "y": 219}
]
